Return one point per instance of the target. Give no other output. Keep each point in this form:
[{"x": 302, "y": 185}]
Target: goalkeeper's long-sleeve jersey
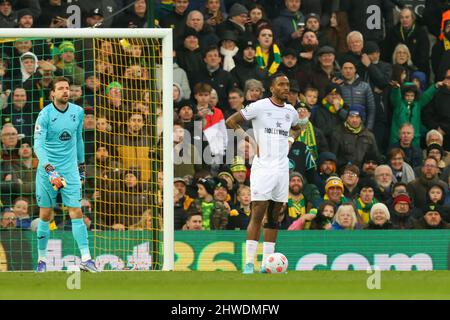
[{"x": 58, "y": 138}]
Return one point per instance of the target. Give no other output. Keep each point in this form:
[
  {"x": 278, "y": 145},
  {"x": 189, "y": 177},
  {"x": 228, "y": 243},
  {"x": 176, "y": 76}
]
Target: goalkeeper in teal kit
[{"x": 59, "y": 146}]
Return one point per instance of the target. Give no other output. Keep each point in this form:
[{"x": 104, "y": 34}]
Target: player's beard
[
  {"x": 282, "y": 98},
  {"x": 63, "y": 100}
]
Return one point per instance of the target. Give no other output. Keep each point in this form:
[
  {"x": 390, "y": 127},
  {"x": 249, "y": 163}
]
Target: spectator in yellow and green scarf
[
  {"x": 268, "y": 55},
  {"x": 366, "y": 199}
]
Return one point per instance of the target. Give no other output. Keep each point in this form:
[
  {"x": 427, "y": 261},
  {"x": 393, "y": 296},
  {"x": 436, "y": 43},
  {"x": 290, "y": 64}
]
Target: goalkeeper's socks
[
  {"x": 250, "y": 251},
  {"x": 80, "y": 235},
  {"x": 43, "y": 233},
  {"x": 268, "y": 248}
]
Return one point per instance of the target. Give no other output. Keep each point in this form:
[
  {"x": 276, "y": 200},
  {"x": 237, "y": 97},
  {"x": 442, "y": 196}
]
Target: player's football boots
[
  {"x": 41, "y": 266},
  {"x": 88, "y": 266},
  {"x": 249, "y": 268},
  {"x": 263, "y": 269}
]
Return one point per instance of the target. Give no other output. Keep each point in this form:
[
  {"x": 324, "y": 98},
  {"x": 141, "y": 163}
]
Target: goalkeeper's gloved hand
[
  {"x": 82, "y": 171},
  {"x": 56, "y": 180}
]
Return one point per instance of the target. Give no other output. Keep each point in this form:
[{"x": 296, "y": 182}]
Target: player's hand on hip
[
  {"x": 56, "y": 180},
  {"x": 82, "y": 171},
  {"x": 253, "y": 144}
]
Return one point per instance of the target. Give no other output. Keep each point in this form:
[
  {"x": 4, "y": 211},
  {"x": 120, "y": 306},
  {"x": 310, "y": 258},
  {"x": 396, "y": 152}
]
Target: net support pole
[{"x": 168, "y": 210}]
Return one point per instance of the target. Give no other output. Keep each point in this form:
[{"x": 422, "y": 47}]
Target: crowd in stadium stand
[{"x": 370, "y": 80}]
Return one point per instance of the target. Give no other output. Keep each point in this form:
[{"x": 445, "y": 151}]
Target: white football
[{"x": 276, "y": 263}]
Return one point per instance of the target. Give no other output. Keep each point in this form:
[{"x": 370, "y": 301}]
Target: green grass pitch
[{"x": 226, "y": 285}]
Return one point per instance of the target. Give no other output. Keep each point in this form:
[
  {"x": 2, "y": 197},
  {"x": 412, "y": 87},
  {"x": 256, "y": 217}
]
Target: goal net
[{"x": 123, "y": 80}]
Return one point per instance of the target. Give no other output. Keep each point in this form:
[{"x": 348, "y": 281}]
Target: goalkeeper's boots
[
  {"x": 249, "y": 268},
  {"x": 88, "y": 266},
  {"x": 41, "y": 267}
]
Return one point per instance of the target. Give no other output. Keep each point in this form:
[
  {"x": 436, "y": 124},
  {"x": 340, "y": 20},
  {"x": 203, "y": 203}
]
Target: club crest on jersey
[
  {"x": 65, "y": 136},
  {"x": 288, "y": 118},
  {"x": 73, "y": 117}
]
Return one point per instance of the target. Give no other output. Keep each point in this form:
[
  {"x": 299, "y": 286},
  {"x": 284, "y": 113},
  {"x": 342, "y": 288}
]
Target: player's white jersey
[{"x": 271, "y": 124}]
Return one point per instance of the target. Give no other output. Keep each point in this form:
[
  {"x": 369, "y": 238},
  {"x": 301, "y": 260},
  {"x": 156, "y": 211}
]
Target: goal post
[{"x": 165, "y": 36}]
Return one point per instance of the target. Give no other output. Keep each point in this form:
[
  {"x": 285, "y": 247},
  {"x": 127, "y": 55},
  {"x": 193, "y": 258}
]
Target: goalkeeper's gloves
[
  {"x": 56, "y": 180},
  {"x": 82, "y": 171}
]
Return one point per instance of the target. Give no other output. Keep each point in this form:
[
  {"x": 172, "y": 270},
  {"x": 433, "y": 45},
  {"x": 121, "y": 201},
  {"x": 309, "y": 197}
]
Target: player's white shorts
[{"x": 269, "y": 185}]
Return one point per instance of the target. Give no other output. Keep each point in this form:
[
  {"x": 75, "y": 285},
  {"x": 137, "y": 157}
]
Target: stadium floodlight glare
[{"x": 163, "y": 36}]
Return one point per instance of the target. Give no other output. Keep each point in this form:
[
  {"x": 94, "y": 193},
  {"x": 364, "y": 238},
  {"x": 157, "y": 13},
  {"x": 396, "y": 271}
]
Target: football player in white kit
[{"x": 275, "y": 126}]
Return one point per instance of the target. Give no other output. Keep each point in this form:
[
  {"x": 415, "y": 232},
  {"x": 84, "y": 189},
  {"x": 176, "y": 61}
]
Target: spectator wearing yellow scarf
[
  {"x": 366, "y": 199},
  {"x": 268, "y": 55}
]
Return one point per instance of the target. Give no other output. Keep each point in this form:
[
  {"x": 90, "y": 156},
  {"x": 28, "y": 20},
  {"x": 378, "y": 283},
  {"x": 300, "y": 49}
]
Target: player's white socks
[
  {"x": 268, "y": 248},
  {"x": 250, "y": 251}
]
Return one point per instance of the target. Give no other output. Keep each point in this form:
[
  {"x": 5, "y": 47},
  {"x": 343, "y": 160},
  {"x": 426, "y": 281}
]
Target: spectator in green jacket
[
  {"x": 407, "y": 107},
  {"x": 215, "y": 214}
]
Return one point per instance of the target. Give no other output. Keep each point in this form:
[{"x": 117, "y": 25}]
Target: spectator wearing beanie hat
[
  {"x": 215, "y": 214},
  {"x": 232, "y": 185},
  {"x": 436, "y": 195},
  {"x": 239, "y": 170},
  {"x": 302, "y": 198},
  {"x": 379, "y": 217},
  {"x": 366, "y": 199},
  {"x": 326, "y": 165},
  {"x": 223, "y": 202},
  {"x": 332, "y": 112},
  {"x": 434, "y": 136},
  {"x": 312, "y": 23},
  {"x": 67, "y": 65},
  {"x": 186, "y": 111},
  {"x": 246, "y": 65},
  {"x": 289, "y": 66},
  {"x": 436, "y": 151},
  {"x": 370, "y": 162},
  {"x": 402, "y": 213},
  {"x": 432, "y": 218},
  {"x": 236, "y": 22},
  {"x": 9, "y": 17},
  {"x": 334, "y": 191},
  {"x": 351, "y": 140},
  {"x": 323, "y": 71},
  {"x": 25, "y": 18},
  {"x": 358, "y": 92},
  {"x": 228, "y": 50},
  {"x": 188, "y": 53}
]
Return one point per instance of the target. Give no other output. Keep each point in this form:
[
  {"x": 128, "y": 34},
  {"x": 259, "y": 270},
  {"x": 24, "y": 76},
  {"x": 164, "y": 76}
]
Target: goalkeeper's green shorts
[{"x": 46, "y": 196}]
